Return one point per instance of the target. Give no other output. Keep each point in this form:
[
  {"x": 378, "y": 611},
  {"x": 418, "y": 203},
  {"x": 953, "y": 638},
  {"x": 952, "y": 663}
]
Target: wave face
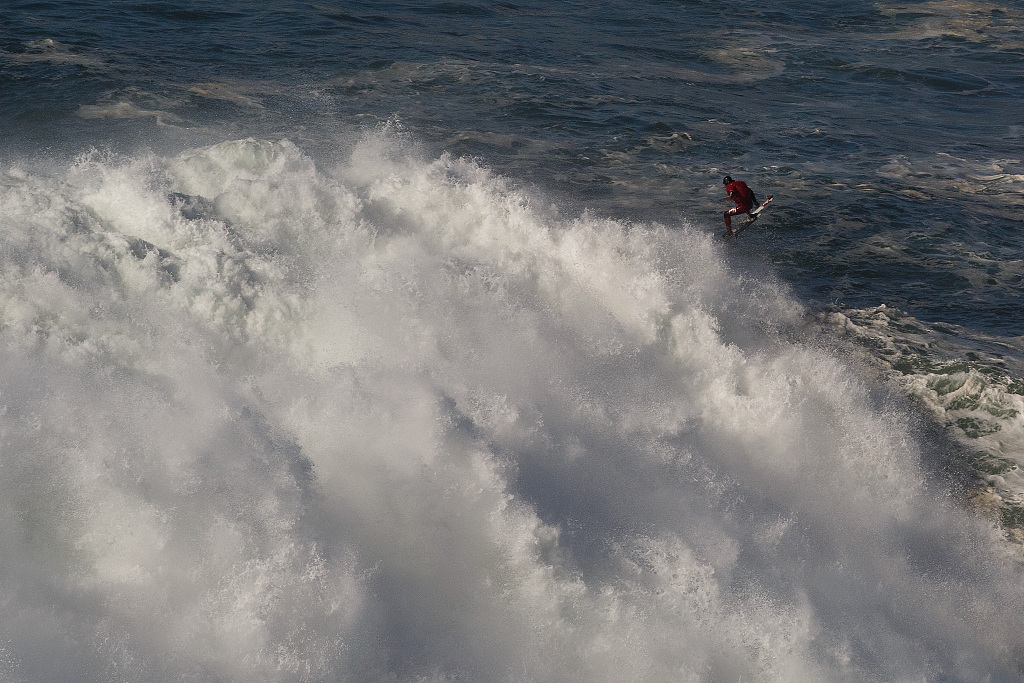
[{"x": 391, "y": 421}]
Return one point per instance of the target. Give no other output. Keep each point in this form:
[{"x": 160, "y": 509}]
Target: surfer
[{"x": 740, "y": 193}]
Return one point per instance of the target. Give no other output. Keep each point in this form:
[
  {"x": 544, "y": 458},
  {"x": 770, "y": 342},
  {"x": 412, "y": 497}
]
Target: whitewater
[{"x": 397, "y": 419}]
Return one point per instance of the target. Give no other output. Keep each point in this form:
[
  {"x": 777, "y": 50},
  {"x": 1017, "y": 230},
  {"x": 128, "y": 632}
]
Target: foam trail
[{"x": 265, "y": 422}]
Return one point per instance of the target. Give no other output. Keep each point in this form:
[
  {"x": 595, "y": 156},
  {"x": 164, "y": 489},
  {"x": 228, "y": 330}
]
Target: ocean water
[{"x": 352, "y": 341}]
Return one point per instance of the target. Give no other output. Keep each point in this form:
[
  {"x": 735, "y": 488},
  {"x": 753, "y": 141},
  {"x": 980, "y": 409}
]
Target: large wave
[{"x": 264, "y": 420}]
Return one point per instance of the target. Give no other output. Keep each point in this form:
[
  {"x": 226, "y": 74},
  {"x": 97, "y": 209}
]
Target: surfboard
[{"x": 759, "y": 209}]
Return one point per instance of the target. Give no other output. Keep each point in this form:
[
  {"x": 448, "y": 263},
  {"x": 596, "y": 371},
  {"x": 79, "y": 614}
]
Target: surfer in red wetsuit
[{"x": 745, "y": 201}]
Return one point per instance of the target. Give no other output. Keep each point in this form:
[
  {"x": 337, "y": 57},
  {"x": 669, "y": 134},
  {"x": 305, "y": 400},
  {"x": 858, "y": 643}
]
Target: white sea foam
[
  {"x": 972, "y": 384},
  {"x": 388, "y": 421},
  {"x": 988, "y": 22},
  {"x": 124, "y": 110},
  {"x": 54, "y": 52},
  {"x": 227, "y": 92},
  {"x": 946, "y": 175}
]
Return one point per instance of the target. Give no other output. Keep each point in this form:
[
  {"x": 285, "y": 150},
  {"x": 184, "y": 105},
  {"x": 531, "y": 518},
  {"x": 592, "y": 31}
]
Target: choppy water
[{"x": 347, "y": 342}]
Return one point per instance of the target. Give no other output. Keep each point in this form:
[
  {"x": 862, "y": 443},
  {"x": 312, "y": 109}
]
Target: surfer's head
[{"x": 726, "y": 180}]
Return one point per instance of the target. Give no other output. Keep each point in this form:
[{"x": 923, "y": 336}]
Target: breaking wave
[{"x": 264, "y": 419}]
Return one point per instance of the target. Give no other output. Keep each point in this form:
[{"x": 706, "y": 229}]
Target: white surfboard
[{"x": 759, "y": 209}]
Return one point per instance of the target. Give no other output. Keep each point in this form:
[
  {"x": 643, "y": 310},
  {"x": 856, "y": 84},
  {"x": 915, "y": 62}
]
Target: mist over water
[{"x": 271, "y": 420}]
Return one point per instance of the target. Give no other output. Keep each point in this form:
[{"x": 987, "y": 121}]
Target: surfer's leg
[{"x": 728, "y": 216}]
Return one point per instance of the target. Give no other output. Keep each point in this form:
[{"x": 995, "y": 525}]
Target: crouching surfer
[{"x": 740, "y": 193}]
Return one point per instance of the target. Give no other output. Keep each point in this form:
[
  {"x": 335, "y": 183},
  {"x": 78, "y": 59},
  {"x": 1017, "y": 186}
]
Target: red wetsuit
[
  {"x": 742, "y": 195},
  {"x": 745, "y": 201}
]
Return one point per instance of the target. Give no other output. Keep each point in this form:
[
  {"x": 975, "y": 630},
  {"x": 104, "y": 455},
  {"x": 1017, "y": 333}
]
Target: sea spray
[
  {"x": 971, "y": 383},
  {"x": 265, "y": 419}
]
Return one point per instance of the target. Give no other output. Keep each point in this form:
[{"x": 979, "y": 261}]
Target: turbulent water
[{"x": 397, "y": 342}]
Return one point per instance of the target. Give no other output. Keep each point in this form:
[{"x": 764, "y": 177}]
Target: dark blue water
[{"x": 889, "y": 134}]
